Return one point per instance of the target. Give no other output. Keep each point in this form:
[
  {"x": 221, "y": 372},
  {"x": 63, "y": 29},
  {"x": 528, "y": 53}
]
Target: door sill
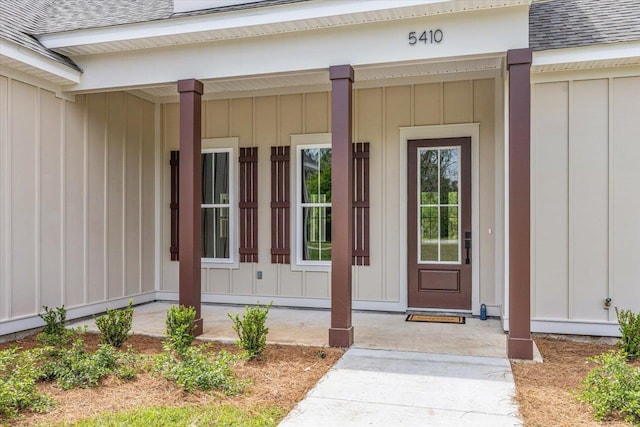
[{"x": 439, "y": 311}]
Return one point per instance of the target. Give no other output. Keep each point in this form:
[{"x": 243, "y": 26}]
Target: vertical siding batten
[
  {"x": 85, "y": 213},
  {"x": 571, "y": 202},
  {"x": 611, "y": 199},
  {"x": 63, "y": 213},
  {"x": 37, "y": 196}
]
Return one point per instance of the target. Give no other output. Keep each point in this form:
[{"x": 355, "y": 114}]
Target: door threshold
[{"x": 440, "y": 312}]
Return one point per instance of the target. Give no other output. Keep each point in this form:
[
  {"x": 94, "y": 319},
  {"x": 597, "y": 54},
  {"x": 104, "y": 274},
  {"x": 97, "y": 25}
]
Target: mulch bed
[
  {"x": 544, "y": 390},
  {"x": 281, "y": 377}
]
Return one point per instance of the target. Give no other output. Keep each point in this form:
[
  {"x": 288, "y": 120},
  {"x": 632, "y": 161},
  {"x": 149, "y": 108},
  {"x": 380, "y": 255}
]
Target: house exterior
[{"x": 380, "y": 155}]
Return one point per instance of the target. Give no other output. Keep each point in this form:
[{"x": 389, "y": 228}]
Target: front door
[{"x": 439, "y": 223}]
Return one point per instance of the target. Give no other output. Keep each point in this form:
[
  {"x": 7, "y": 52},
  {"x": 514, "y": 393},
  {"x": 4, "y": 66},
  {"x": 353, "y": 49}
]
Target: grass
[{"x": 223, "y": 415}]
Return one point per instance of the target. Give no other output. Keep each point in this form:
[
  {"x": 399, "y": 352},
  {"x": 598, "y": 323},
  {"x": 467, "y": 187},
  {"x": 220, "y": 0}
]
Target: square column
[
  {"x": 341, "y": 332},
  {"x": 190, "y": 191},
  {"x": 519, "y": 342}
]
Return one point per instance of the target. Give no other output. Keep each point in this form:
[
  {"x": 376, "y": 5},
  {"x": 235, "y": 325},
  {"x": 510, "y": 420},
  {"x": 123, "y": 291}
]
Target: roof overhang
[
  {"x": 27, "y": 61},
  {"x": 587, "y": 57},
  {"x": 311, "y": 15}
]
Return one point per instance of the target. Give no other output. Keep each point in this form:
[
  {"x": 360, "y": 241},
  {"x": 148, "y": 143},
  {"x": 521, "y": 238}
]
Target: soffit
[
  {"x": 312, "y": 81},
  {"x": 243, "y": 24},
  {"x": 5, "y": 61}
]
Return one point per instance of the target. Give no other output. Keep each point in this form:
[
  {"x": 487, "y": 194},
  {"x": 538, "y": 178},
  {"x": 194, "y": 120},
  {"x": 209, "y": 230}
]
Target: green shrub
[
  {"x": 630, "y": 330},
  {"x": 75, "y": 367},
  {"x": 18, "y": 376},
  {"x": 54, "y": 333},
  {"x": 197, "y": 370},
  {"x": 180, "y": 326},
  {"x": 252, "y": 333},
  {"x": 612, "y": 388},
  {"x": 114, "y": 326}
]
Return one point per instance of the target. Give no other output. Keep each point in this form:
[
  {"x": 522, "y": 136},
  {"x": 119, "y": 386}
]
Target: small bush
[
  {"x": 54, "y": 333},
  {"x": 251, "y": 329},
  {"x": 630, "y": 330},
  {"x": 180, "y": 326},
  {"x": 18, "y": 376},
  {"x": 114, "y": 326},
  {"x": 196, "y": 370},
  {"x": 612, "y": 388},
  {"x": 76, "y": 367}
]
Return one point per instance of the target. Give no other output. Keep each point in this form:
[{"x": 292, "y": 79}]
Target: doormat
[{"x": 458, "y": 320}]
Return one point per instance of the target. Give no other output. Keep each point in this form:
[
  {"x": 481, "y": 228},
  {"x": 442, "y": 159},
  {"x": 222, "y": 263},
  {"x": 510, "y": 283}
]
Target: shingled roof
[
  {"x": 555, "y": 24},
  {"x": 20, "y": 19},
  {"x": 68, "y": 15}
]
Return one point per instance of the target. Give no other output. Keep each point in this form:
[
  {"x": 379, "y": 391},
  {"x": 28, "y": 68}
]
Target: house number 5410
[{"x": 426, "y": 37}]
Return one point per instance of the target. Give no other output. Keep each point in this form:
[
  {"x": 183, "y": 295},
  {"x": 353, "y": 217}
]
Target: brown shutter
[
  {"x": 175, "y": 195},
  {"x": 360, "y": 252},
  {"x": 280, "y": 228},
  {"x": 248, "y": 204}
]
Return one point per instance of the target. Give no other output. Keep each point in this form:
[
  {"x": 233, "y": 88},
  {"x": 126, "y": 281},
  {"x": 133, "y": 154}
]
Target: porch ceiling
[{"x": 318, "y": 80}]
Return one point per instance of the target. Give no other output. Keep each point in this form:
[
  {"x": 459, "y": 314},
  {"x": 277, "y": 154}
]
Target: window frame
[
  {"x": 300, "y": 143},
  {"x": 226, "y": 145}
]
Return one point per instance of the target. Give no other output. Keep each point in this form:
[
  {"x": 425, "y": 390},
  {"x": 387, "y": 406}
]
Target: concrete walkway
[
  {"x": 398, "y": 388},
  {"x": 397, "y": 374}
]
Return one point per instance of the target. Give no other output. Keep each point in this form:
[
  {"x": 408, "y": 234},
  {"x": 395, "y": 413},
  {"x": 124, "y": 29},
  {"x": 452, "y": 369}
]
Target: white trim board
[
  {"x": 295, "y": 302},
  {"x": 433, "y": 132},
  {"x": 570, "y": 327},
  {"x": 59, "y": 73},
  {"x": 33, "y": 321}
]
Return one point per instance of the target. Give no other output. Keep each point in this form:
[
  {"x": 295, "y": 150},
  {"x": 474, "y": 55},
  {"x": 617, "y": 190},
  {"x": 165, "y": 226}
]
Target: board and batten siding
[
  {"x": 585, "y": 177},
  {"x": 76, "y": 198},
  {"x": 268, "y": 121}
]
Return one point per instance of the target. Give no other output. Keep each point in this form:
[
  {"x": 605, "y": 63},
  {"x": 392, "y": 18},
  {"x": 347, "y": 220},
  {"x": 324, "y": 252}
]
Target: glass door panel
[{"x": 439, "y": 205}]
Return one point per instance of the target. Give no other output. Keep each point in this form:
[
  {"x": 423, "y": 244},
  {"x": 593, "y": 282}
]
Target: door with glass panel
[{"x": 439, "y": 223}]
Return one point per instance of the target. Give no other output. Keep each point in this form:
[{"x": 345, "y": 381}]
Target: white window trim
[
  {"x": 227, "y": 145},
  {"x": 299, "y": 143}
]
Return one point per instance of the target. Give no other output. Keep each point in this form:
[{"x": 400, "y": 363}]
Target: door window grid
[{"x": 430, "y": 208}]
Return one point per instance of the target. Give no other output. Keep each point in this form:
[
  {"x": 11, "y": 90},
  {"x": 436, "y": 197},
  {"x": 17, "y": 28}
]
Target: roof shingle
[{"x": 556, "y": 24}]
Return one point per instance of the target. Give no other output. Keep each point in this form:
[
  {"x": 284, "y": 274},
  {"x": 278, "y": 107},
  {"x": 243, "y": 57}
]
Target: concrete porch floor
[{"x": 385, "y": 331}]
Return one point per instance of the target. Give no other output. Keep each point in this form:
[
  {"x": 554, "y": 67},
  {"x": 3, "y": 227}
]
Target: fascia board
[
  {"x": 311, "y": 13},
  {"x": 602, "y": 52},
  {"x": 33, "y": 59}
]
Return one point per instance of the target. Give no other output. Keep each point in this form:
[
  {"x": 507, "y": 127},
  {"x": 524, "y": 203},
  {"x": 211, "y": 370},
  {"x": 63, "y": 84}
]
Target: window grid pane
[
  {"x": 215, "y": 205},
  {"x": 439, "y": 208},
  {"x": 316, "y": 204}
]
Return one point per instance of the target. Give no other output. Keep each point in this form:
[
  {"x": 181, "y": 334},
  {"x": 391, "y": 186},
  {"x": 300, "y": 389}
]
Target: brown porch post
[
  {"x": 519, "y": 343},
  {"x": 189, "y": 224},
  {"x": 341, "y": 332}
]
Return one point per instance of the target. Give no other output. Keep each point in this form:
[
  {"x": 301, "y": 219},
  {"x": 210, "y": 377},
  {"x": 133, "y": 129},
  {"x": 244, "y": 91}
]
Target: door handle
[{"x": 467, "y": 245}]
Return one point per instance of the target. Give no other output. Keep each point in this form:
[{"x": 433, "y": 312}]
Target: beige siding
[
  {"x": 588, "y": 233},
  {"x": 550, "y": 228},
  {"x": 71, "y": 174},
  {"x": 585, "y": 174},
  {"x": 378, "y": 113},
  {"x": 5, "y": 302},
  {"x": 626, "y": 201}
]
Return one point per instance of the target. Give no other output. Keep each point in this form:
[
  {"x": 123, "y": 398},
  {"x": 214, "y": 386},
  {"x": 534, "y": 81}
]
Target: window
[
  {"x": 314, "y": 204},
  {"x": 311, "y": 202},
  {"x": 216, "y": 205}
]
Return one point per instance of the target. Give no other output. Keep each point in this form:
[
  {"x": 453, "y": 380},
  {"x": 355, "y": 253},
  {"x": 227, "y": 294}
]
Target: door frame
[{"x": 471, "y": 130}]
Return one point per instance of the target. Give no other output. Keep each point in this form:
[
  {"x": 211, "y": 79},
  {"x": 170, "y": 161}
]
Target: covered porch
[
  {"x": 308, "y": 327},
  {"x": 277, "y": 97}
]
